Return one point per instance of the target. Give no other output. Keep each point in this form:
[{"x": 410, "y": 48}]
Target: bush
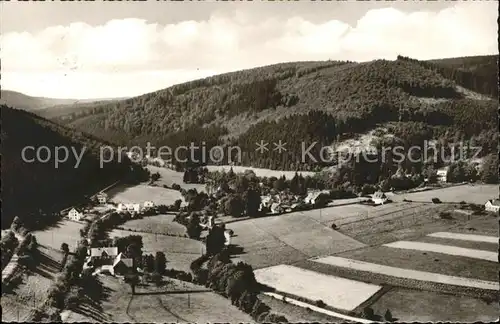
[
  {"x": 320, "y": 303},
  {"x": 436, "y": 200},
  {"x": 445, "y": 215}
]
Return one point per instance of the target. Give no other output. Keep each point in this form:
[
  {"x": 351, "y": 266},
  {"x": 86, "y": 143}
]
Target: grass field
[
  {"x": 32, "y": 291},
  {"x": 445, "y": 249},
  {"x": 178, "y": 302},
  {"x": 169, "y": 177},
  {"x": 161, "y": 224},
  {"x": 287, "y": 238},
  {"x": 180, "y": 251},
  {"x": 141, "y": 193},
  {"x": 409, "y": 306},
  {"x": 297, "y": 313},
  {"x": 408, "y": 273},
  {"x": 64, "y": 231},
  {"x": 258, "y": 171},
  {"x": 477, "y": 194},
  {"x": 334, "y": 291},
  {"x": 465, "y": 237}
]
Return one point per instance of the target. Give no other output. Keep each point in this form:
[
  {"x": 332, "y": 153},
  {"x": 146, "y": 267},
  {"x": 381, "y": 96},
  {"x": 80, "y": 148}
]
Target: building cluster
[{"x": 107, "y": 259}]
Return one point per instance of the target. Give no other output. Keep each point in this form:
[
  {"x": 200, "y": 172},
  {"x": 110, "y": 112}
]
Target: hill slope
[
  {"x": 32, "y": 189},
  {"x": 302, "y": 101},
  {"x": 45, "y": 107}
]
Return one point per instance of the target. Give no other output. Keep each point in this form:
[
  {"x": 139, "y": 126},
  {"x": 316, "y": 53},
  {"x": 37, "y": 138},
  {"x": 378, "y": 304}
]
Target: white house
[
  {"x": 312, "y": 196},
  {"x": 379, "y": 198},
  {"x": 228, "y": 238},
  {"x": 441, "y": 174},
  {"x": 148, "y": 204},
  {"x": 102, "y": 198},
  {"x": 75, "y": 214},
  {"x": 492, "y": 205},
  {"x": 103, "y": 253},
  {"x": 131, "y": 208}
]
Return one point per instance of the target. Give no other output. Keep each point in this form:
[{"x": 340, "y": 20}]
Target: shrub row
[{"x": 236, "y": 282}]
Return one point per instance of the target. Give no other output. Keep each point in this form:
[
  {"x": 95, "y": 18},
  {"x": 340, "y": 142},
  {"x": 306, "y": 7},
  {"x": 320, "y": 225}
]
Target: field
[
  {"x": 180, "y": 251},
  {"x": 334, "y": 291},
  {"x": 408, "y": 273},
  {"x": 477, "y": 194},
  {"x": 169, "y": 177},
  {"x": 64, "y": 231},
  {"x": 141, "y": 193},
  {"x": 177, "y": 302},
  {"x": 409, "y": 306},
  {"x": 287, "y": 238},
  {"x": 445, "y": 249},
  {"x": 160, "y": 224},
  {"x": 298, "y": 313},
  {"x": 258, "y": 171},
  {"x": 465, "y": 237},
  {"x": 32, "y": 291}
]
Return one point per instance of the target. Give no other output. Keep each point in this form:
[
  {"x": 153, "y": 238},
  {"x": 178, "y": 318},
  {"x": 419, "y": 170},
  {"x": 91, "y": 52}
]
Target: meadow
[
  {"x": 157, "y": 224},
  {"x": 180, "y": 251},
  {"x": 176, "y": 302},
  {"x": 142, "y": 193}
]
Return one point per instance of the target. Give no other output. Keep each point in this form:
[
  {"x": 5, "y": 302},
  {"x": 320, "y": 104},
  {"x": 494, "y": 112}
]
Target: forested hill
[
  {"x": 33, "y": 191},
  {"x": 301, "y": 101}
]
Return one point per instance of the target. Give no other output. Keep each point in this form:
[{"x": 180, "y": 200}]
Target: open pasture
[
  {"x": 18, "y": 305},
  {"x": 407, "y": 271},
  {"x": 160, "y": 224},
  {"x": 141, "y": 193},
  {"x": 409, "y": 306},
  {"x": 168, "y": 177},
  {"x": 287, "y": 238},
  {"x": 471, "y": 193},
  {"x": 180, "y": 251},
  {"x": 465, "y": 237},
  {"x": 259, "y": 172},
  {"x": 64, "y": 231},
  {"x": 336, "y": 292},
  {"x": 445, "y": 249},
  {"x": 177, "y": 302},
  {"x": 396, "y": 223}
]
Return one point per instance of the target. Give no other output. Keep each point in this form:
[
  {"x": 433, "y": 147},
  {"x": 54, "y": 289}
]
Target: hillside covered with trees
[
  {"x": 34, "y": 191},
  {"x": 448, "y": 100}
]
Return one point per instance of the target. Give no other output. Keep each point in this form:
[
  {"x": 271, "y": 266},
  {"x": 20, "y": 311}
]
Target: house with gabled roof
[
  {"x": 75, "y": 214},
  {"x": 492, "y": 205},
  {"x": 379, "y": 198}
]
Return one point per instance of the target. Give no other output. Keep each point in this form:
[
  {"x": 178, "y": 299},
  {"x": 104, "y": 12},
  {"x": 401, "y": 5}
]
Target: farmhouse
[
  {"x": 102, "y": 198},
  {"x": 492, "y": 205},
  {"x": 379, "y": 198},
  {"x": 103, "y": 253},
  {"x": 75, "y": 214},
  {"x": 441, "y": 174},
  {"x": 121, "y": 265},
  {"x": 148, "y": 204},
  {"x": 131, "y": 208}
]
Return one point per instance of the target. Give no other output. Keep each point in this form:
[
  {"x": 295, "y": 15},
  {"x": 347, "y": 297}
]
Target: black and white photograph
[{"x": 249, "y": 161}]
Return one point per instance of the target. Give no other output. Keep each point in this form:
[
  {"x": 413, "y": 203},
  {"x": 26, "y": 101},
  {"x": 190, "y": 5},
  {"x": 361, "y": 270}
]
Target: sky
[{"x": 99, "y": 49}]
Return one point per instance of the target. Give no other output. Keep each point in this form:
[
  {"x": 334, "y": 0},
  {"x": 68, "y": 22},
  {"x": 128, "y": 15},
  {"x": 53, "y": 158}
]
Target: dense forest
[
  {"x": 34, "y": 190},
  {"x": 447, "y": 101}
]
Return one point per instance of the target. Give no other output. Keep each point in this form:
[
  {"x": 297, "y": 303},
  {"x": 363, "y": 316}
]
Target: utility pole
[{"x": 189, "y": 301}]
